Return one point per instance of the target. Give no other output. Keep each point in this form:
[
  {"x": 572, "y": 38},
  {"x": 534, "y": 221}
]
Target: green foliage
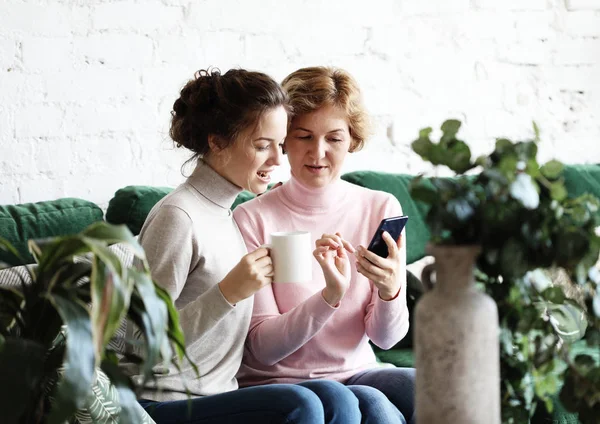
[
  {"x": 518, "y": 211},
  {"x": 54, "y": 330}
]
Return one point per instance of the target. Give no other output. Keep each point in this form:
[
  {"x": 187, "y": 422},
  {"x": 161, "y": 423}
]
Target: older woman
[{"x": 322, "y": 329}]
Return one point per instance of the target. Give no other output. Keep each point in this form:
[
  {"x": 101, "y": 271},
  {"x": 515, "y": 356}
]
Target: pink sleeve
[
  {"x": 386, "y": 322},
  {"x": 274, "y": 336}
]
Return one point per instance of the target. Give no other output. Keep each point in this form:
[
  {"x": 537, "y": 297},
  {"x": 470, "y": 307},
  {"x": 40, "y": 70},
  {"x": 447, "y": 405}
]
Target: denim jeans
[
  {"x": 397, "y": 384},
  {"x": 316, "y": 401}
]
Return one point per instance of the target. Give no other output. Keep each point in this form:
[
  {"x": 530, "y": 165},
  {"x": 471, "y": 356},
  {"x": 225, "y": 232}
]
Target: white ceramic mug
[{"x": 291, "y": 252}]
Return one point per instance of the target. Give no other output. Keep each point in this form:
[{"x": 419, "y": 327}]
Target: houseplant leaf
[
  {"x": 77, "y": 377},
  {"x": 21, "y": 371},
  {"x": 112, "y": 234},
  {"x": 111, "y": 291},
  {"x": 150, "y": 314}
]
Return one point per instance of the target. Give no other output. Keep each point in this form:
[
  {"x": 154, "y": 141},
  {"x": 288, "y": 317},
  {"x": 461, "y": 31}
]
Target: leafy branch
[{"x": 520, "y": 214}]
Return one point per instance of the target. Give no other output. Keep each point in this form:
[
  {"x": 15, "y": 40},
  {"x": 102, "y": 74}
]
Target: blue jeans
[
  {"x": 397, "y": 384},
  {"x": 310, "y": 402}
]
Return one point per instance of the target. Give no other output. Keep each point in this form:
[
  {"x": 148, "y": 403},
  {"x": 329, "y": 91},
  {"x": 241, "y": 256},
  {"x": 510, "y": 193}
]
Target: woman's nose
[
  {"x": 276, "y": 155},
  {"x": 317, "y": 149}
]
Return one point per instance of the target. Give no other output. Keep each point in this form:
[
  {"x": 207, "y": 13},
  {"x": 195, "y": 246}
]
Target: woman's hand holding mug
[
  {"x": 252, "y": 273},
  {"x": 331, "y": 255}
]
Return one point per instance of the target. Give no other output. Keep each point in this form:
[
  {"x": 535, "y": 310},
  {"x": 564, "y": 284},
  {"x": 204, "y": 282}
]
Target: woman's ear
[
  {"x": 352, "y": 146},
  {"x": 213, "y": 143}
]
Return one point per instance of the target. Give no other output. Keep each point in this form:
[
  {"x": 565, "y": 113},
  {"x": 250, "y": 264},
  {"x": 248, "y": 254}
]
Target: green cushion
[
  {"x": 19, "y": 223},
  {"x": 397, "y": 357},
  {"x": 244, "y": 196},
  {"x": 131, "y": 205},
  {"x": 582, "y": 179},
  {"x": 397, "y": 184}
]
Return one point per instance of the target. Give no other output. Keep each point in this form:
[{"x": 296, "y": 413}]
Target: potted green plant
[
  {"x": 56, "y": 326},
  {"x": 519, "y": 215}
]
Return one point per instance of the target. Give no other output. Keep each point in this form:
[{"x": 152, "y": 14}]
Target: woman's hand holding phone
[
  {"x": 383, "y": 272},
  {"x": 331, "y": 255}
]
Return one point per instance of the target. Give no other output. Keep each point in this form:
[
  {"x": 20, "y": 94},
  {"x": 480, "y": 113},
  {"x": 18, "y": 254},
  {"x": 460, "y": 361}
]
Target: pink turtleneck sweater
[{"x": 294, "y": 334}]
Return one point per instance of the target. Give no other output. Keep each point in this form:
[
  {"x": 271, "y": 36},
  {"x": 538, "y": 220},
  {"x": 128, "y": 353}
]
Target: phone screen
[{"x": 394, "y": 227}]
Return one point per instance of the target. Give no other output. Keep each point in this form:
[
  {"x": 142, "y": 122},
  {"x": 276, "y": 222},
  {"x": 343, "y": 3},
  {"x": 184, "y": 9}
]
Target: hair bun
[{"x": 180, "y": 107}]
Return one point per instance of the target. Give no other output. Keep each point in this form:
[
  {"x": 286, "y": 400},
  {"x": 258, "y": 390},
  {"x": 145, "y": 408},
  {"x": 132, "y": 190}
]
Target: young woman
[
  {"x": 322, "y": 329},
  {"x": 234, "y": 124}
]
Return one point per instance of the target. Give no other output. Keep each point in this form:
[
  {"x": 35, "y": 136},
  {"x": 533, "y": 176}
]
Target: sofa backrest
[
  {"x": 132, "y": 204},
  {"x": 398, "y": 185},
  {"x": 19, "y": 223}
]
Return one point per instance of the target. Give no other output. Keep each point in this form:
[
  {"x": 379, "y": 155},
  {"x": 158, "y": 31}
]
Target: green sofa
[{"x": 131, "y": 204}]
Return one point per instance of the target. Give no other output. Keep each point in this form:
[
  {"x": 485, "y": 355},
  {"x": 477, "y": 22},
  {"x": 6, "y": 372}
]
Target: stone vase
[{"x": 456, "y": 343}]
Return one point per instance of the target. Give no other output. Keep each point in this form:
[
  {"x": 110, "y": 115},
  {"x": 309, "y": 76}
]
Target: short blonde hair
[{"x": 312, "y": 88}]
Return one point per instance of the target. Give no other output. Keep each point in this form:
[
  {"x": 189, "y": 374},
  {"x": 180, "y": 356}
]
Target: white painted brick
[
  {"x": 103, "y": 154},
  {"x": 519, "y": 95},
  {"x": 580, "y": 78},
  {"x": 417, "y": 63},
  {"x": 415, "y": 35},
  {"x": 540, "y": 25},
  {"x": 487, "y": 25},
  {"x": 578, "y": 149},
  {"x": 577, "y": 52},
  {"x": 166, "y": 81},
  {"x": 263, "y": 51},
  {"x": 163, "y": 121},
  {"x": 275, "y": 17},
  {"x": 8, "y": 54},
  {"x": 119, "y": 50},
  {"x": 184, "y": 50},
  {"x": 435, "y": 7},
  {"x": 137, "y": 17},
  {"x": 50, "y": 18},
  {"x": 17, "y": 157},
  {"x": 17, "y": 87},
  {"x": 41, "y": 188},
  {"x": 501, "y": 123},
  {"x": 39, "y": 120},
  {"x": 46, "y": 53},
  {"x": 54, "y": 157},
  {"x": 222, "y": 49},
  {"x": 91, "y": 83},
  {"x": 513, "y": 5},
  {"x": 102, "y": 118},
  {"x": 96, "y": 187},
  {"x": 582, "y": 24},
  {"x": 8, "y": 192},
  {"x": 327, "y": 45},
  {"x": 357, "y": 13},
  {"x": 583, "y": 4},
  {"x": 532, "y": 52},
  {"x": 214, "y": 15},
  {"x": 6, "y": 125}
]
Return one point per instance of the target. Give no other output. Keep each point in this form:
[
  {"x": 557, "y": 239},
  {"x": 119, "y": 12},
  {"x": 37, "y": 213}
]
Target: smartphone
[{"x": 394, "y": 226}]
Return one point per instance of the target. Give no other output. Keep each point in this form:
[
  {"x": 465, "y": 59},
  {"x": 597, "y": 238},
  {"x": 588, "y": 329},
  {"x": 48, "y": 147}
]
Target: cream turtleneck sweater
[{"x": 192, "y": 242}]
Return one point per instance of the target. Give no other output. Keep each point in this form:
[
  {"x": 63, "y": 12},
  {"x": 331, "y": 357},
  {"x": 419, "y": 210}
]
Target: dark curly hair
[{"x": 223, "y": 106}]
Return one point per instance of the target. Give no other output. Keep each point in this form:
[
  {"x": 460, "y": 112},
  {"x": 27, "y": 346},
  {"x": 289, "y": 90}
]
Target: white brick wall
[{"x": 86, "y": 86}]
